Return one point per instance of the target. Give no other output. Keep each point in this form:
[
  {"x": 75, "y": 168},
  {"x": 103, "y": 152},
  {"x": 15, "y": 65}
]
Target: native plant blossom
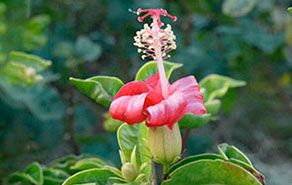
[{"x": 155, "y": 100}]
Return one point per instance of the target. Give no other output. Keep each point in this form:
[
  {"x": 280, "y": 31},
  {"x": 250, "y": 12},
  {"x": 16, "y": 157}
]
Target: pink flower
[{"x": 143, "y": 101}]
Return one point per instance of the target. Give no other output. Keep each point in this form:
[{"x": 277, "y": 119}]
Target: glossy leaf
[
  {"x": 88, "y": 163},
  {"x": 231, "y": 152},
  {"x": 37, "y": 63},
  {"x": 150, "y": 68},
  {"x": 194, "y": 158},
  {"x": 194, "y": 121},
  {"x": 215, "y": 86},
  {"x": 130, "y": 136},
  {"x": 102, "y": 89},
  {"x": 91, "y": 176},
  {"x": 237, "y": 8},
  {"x": 208, "y": 171},
  {"x": 32, "y": 174}
]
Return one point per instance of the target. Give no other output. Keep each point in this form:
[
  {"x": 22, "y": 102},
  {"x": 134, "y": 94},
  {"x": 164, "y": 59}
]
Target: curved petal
[
  {"x": 191, "y": 92},
  {"x": 167, "y": 112},
  {"x": 153, "y": 80},
  {"x": 128, "y": 103},
  {"x": 132, "y": 88},
  {"x": 129, "y": 108}
]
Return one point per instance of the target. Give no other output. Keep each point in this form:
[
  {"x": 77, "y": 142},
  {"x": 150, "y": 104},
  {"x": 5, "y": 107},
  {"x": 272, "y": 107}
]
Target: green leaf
[
  {"x": 54, "y": 176},
  {"x": 290, "y": 10},
  {"x": 28, "y": 60},
  {"x": 215, "y": 86},
  {"x": 130, "y": 136},
  {"x": 231, "y": 152},
  {"x": 88, "y": 163},
  {"x": 102, "y": 89},
  {"x": 194, "y": 121},
  {"x": 32, "y": 174},
  {"x": 194, "y": 158},
  {"x": 237, "y": 8},
  {"x": 66, "y": 162},
  {"x": 150, "y": 68},
  {"x": 208, "y": 171},
  {"x": 213, "y": 106},
  {"x": 91, "y": 176}
]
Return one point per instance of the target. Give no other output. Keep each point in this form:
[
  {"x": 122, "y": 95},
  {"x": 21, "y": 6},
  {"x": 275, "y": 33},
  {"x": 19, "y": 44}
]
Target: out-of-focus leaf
[
  {"x": 102, "y": 89},
  {"x": 2, "y": 9},
  {"x": 20, "y": 74},
  {"x": 194, "y": 121},
  {"x": 211, "y": 172},
  {"x": 110, "y": 124},
  {"x": 130, "y": 136},
  {"x": 32, "y": 174},
  {"x": 259, "y": 37},
  {"x": 213, "y": 106},
  {"x": 34, "y": 35},
  {"x": 91, "y": 176},
  {"x": 237, "y": 8},
  {"x": 3, "y": 28},
  {"x": 87, "y": 49},
  {"x": 64, "y": 49},
  {"x": 88, "y": 163},
  {"x": 288, "y": 31},
  {"x": 33, "y": 61},
  {"x": 228, "y": 151},
  {"x": 215, "y": 86},
  {"x": 150, "y": 68},
  {"x": 290, "y": 10}
]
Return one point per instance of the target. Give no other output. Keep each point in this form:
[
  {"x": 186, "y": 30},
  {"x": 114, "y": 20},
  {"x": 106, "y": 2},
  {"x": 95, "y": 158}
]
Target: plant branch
[
  {"x": 70, "y": 124},
  {"x": 185, "y": 139}
]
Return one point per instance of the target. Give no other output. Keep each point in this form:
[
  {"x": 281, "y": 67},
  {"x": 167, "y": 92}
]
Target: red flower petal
[
  {"x": 129, "y": 109},
  {"x": 128, "y": 103},
  {"x": 153, "y": 80},
  {"x": 132, "y": 88},
  {"x": 167, "y": 112},
  {"x": 191, "y": 92}
]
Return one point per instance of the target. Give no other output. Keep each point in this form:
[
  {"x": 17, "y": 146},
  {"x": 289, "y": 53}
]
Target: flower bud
[
  {"x": 129, "y": 171},
  {"x": 165, "y": 144}
]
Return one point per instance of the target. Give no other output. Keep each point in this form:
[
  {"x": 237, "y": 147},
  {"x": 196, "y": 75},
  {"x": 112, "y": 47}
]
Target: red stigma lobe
[{"x": 155, "y": 13}]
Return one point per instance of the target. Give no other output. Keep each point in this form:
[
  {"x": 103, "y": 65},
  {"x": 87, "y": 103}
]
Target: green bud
[
  {"x": 129, "y": 171},
  {"x": 165, "y": 144}
]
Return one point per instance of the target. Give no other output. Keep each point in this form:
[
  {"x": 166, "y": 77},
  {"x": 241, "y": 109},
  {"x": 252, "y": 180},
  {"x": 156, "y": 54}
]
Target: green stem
[{"x": 165, "y": 171}]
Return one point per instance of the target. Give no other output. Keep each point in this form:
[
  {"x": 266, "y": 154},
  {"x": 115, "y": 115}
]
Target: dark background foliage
[{"x": 251, "y": 41}]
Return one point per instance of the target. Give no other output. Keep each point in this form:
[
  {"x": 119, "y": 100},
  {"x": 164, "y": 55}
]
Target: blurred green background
[{"x": 245, "y": 39}]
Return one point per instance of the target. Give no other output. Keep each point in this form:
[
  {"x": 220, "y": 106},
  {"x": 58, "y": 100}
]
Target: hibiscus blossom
[
  {"x": 155, "y": 100},
  {"x": 140, "y": 101}
]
